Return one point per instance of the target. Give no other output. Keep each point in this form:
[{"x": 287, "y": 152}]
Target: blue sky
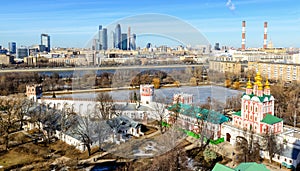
[{"x": 73, "y": 23}]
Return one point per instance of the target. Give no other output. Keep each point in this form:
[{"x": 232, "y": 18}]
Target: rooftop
[
  {"x": 271, "y": 119},
  {"x": 251, "y": 166},
  {"x": 199, "y": 113},
  {"x": 239, "y": 113}
]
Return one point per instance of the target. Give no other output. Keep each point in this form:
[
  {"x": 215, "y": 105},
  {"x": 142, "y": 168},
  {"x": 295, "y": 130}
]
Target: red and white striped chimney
[
  {"x": 265, "y": 34},
  {"x": 243, "y": 35}
]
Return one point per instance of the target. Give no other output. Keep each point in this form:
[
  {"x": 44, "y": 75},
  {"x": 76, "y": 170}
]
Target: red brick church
[{"x": 257, "y": 110}]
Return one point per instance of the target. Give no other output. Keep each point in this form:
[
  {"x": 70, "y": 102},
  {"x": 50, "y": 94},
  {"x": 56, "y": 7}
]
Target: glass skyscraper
[
  {"x": 124, "y": 41},
  {"x": 132, "y": 43},
  {"x": 112, "y": 40},
  {"x": 12, "y": 46},
  {"x": 118, "y": 38},
  {"x": 45, "y": 40},
  {"x": 103, "y": 39}
]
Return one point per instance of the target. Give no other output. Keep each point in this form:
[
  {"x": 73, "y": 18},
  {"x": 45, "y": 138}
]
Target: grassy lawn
[
  {"x": 15, "y": 158},
  {"x": 36, "y": 154},
  {"x": 66, "y": 150}
]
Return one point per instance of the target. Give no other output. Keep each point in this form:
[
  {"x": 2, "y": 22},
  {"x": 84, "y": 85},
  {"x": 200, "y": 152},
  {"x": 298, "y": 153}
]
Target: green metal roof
[
  {"x": 251, "y": 166},
  {"x": 239, "y": 113},
  {"x": 220, "y": 167},
  {"x": 271, "y": 119},
  {"x": 197, "y": 112}
]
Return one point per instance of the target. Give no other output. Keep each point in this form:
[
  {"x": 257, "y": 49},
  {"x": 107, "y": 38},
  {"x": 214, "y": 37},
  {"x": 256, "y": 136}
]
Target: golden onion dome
[
  {"x": 249, "y": 84},
  {"x": 267, "y": 85},
  {"x": 260, "y": 85},
  {"x": 258, "y": 77}
]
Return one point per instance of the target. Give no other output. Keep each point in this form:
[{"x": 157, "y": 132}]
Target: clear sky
[{"x": 72, "y": 23}]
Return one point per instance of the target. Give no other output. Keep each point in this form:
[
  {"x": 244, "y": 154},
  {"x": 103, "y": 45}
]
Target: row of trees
[
  {"x": 287, "y": 100},
  {"x": 12, "y": 112},
  {"x": 16, "y": 82},
  {"x": 16, "y": 111},
  {"x": 92, "y": 126},
  {"x": 249, "y": 146}
]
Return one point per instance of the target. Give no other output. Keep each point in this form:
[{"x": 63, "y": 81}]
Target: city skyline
[{"x": 73, "y": 23}]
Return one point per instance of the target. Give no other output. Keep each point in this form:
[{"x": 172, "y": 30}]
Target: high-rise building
[
  {"x": 45, "y": 40},
  {"x": 128, "y": 38},
  {"x": 98, "y": 44},
  {"x": 133, "y": 39},
  {"x": 94, "y": 45},
  {"x": 22, "y": 52},
  {"x": 113, "y": 40},
  {"x": 103, "y": 39},
  {"x": 124, "y": 41},
  {"x": 217, "y": 46},
  {"x": 12, "y": 47},
  {"x": 148, "y": 46},
  {"x": 118, "y": 37}
]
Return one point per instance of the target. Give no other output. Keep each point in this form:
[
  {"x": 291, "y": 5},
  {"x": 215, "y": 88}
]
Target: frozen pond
[{"x": 200, "y": 93}]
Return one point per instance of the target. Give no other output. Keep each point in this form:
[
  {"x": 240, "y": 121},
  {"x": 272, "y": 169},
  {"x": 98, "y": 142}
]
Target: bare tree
[
  {"x": 159, "y": 111},
  {"x": 176, "y": 159},
  {"x": 8, "y": 119},
  {"x": 37, "y": 114},
  {"x": 68, "y": 117},
  {"x": 176, "y": 110},
  {"x": 50, "y": 123},
  {"x": 233, "y": 103},
  {"x": 205, "y": 122},
  {"x": 247, "y": 150},
  {"x": 284, "y": 95},
  {"x": 25, "y": 105},
  {"x": 272, "y": 145},
  {"x": 9, "y": 109},
  {"x": 103, "y": 131},
  {"x": 105, "y": 106},
  {"x": 85, "y": 129},
  {"x": 105, "y": 109}
]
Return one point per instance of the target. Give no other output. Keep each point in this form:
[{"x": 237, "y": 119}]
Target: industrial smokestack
[
  {"x": 265, "y": 34},
  {"x": 243, "y": 35}
]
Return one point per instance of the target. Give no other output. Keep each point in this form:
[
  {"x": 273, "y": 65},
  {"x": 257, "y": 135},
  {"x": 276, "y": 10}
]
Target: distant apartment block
[
  {"x": 277, "y": 71},
  {"x": 22, "y": 52},
  {"x": 256, "y": 55},
  {"x": 81, "y": 60},
  {"x": 6, "y": 59},
  {"x": 226, "y": 67}
]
